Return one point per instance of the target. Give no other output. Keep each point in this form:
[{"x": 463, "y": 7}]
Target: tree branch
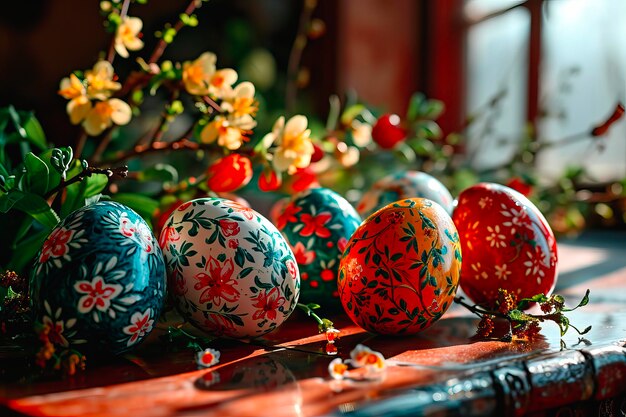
[
  {"x": 120, "y": 172},
  {"x": 160, "y": 47},
  {"x": 296, "y": 54},
  {"x": 123, "y": 13}
]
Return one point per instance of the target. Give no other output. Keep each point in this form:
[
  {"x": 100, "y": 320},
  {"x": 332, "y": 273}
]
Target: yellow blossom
[
  {"x": 127, "y": 36},
  {"x": 79, "y": 105},
  {"x": 294, "y": 144},
  {"x": 197, "y": 75},
  {"x": 241, "y": 101},
  {"x": 221, "y": 83},
  {"x": 361, "y": 133},
  {"x": 71, "y": 87},
  {"x": 78, "y": 108},
  {"x": 106, "y": 113},
  {"x": 100, "y": 82},
  {"x": 228, "y": 132}
]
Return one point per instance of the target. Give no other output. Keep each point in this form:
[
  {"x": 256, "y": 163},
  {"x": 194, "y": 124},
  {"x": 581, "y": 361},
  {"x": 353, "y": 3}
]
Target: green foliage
[
  {"x": 32, "y": 176},
  {"x": 525, "y": 325}
]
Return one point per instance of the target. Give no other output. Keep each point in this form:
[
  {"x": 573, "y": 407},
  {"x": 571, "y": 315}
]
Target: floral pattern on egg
[
  {"x": 507, "y": 243},
  {"x": 230, "y": 271},
  {"x": 99, "y": 279},
  {"x": 401, "y": 269},
  {"x": 317, "y": 223},
  {"x": 402, "y": 185}
]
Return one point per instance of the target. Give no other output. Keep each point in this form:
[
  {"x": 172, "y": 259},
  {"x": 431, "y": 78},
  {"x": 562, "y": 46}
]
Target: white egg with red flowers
[{"x": 229, "y": 269}]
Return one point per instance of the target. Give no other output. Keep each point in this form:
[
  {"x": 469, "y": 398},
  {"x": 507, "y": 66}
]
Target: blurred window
[{"x": 560, "y": 64}]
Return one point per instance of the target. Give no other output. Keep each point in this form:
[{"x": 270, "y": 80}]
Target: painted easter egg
[
  {"x": 99, "y": 279},
  {"x": 400, "y": 270},
  {"x": 277, "y": 209},
  {"x": 403, "y": 185},
  {"x": 317, "y": 223},
  {"x": 230, "y": 270},
  {"x": 507, "y": 243}
]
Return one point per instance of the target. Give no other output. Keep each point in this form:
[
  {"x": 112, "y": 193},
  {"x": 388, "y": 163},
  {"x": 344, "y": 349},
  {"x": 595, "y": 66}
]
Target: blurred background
[{"x": 507, "y": 70}]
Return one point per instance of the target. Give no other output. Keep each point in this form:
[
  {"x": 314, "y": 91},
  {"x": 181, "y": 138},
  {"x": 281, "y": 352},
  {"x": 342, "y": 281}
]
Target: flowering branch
[
  {"x": 524, "y": 325},
  {"x": 296, "y": 53},
  {"x": 123, "y": 13},
  {"x": 163, "y": 42},
  {"x": 182, "y": 143}
]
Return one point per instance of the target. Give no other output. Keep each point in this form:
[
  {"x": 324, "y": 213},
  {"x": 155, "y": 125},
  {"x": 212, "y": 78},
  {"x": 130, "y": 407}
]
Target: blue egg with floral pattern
[
  {"x": 98, "y": 282},
  {"x": 318, "y": 223}
]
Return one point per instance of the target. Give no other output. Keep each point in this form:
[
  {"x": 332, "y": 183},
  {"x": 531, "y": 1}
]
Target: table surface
[{"x": 441, "y": 370}]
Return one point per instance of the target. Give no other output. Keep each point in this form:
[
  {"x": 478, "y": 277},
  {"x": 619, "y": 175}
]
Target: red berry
[
  {"x": 269, "y": 180},
  {"x": 388, "y": 131},
  {"x": 318, "y": 153},
  {"x": 304, "y": 179},
  {"x": 229, "y": 173},
  {"x": 521, "y": 186}
]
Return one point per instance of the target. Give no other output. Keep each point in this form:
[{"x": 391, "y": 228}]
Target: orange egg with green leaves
[{"x": 400, "y": 270}]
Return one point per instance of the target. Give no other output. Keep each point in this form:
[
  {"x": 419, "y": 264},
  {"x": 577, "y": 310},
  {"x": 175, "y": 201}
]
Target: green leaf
[
  {"x": 95, "y": 184},
  {"x": 350, "y": 113},
  {"x": 537, "y": 298},
  {"x": 404, "y": 152},
  {"x": 415, "y": 104},
  {"x": 160, "y": 173},
  {"x": 34, "y": 132},
  {"x": 422, "y": 146},
  {"x": 54, "y": 177},
  {"x": 8, "y": 200},
  {"x": 61, "y": 158},
  {"x": 433, "y": 109},
  {"x": 36, "y": 174},
  {"x": 26, "y": 250},
  {"x": 585, "y": 300},
  {"x": 38, "y": 209},
  {"x": 22, "y": 231},
  {"x": 517, "y": 315},
  {"x": 428, "y": 129},
  {"x": 144, "y": 206},
  {"x": 582, "y": 303},
  {"x": 17, "y": 122},
  {"x": 564, "y": 325}
]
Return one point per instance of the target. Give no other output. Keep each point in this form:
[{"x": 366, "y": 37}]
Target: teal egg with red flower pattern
[
  {"x": 230, "y": 270},
  {"x": 318, "y": 223},
  {"x": 98, "y": 282}
]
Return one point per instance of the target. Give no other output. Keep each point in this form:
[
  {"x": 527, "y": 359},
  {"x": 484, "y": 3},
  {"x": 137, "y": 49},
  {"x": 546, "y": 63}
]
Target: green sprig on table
[{"x": 523, "y": 325}]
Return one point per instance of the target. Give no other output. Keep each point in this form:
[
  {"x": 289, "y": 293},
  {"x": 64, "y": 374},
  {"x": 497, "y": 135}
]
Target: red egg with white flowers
[{"x": 506, "y": 243}]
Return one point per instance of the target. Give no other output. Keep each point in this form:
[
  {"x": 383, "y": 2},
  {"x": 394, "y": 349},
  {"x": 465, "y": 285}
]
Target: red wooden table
[{"x": 442, "y": 371}]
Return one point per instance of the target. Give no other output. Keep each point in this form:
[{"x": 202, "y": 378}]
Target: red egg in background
[{"x": 506, "y": 243}]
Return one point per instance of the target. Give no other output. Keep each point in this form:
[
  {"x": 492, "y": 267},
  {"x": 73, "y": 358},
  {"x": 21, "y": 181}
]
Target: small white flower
[
  {"x": 496, "y": 239},
  {"x": 207, "y": 358},
  {"x": 502, "y": 272},
  {"x": 337, "y": 369}
]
